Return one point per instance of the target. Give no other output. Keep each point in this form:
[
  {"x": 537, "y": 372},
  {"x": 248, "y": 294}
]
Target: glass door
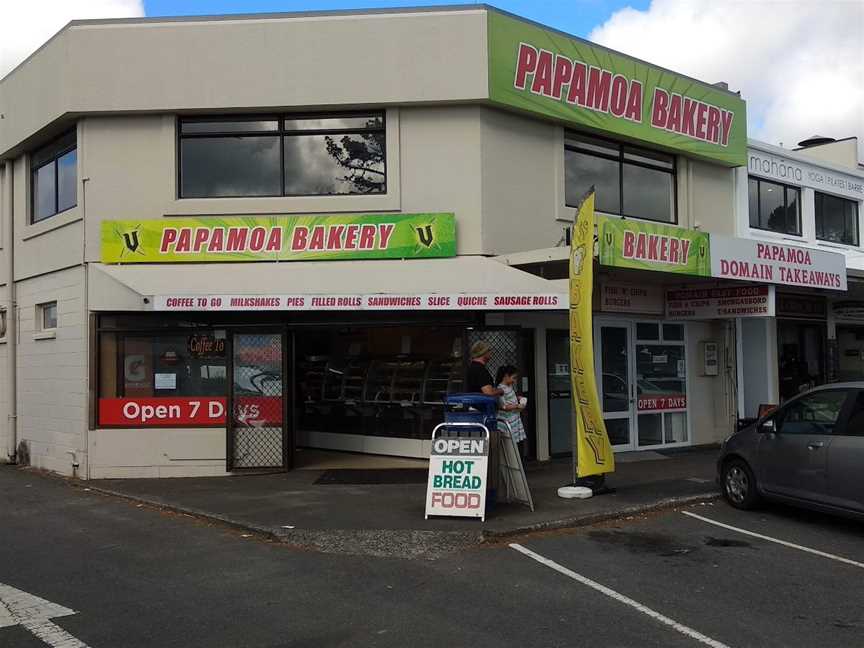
[
  {"x": 559, "y": 392},
  {"x": 613, "y": 360}
]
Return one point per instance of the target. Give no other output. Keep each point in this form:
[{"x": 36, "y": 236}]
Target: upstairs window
[
  {"x": 629, "y": 181},
  {"x": 308, "y": 155},
  {"x": 54, "y": 178},
  {"x": 774, "y": 207},
  {"x": 836, "y": 219}
]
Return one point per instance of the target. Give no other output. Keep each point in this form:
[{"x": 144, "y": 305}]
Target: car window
[
  {"x": 813, "y": 414},
  {"x": 855, "y": 422}
]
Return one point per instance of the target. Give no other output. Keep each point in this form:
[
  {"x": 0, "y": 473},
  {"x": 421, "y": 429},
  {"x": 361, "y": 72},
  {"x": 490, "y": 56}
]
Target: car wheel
[{"x": 739, "y": 485}]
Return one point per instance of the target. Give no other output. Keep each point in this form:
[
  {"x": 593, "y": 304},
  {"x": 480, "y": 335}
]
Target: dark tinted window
[
  {"x": 836, "y": 219},
  {"x": 813, "y": 414},
  {"x": 628, "y": 181},
  {"x": 774, "y": 207},
  {"x": 855, "y": 424},
  {"x": 584, "y": 170},
  {"x": 308, "y": 155},
  {"x": 230, "y": 166},
  {"x": 53, "y": 178}
]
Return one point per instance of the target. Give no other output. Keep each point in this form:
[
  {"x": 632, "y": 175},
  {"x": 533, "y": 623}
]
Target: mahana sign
[
  {"x": 280, "y": 238},
  {"x": 544, "y": 71}
]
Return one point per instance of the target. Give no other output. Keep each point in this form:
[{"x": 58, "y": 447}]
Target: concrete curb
[
  {"x": 601, "y": 516},
  {"x": 406, "y": 543}
]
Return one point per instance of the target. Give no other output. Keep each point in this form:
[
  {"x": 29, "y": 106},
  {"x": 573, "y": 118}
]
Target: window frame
[
  {"x": 53, "y": 160},
  {"x": 799, "y": 232},
  {"x": 621, "y": 159},
  {"x": 281, "y": 132},
  {"x": 816, "y": 204},
  {"x": 779, "y": 415},
  {"x": 40, "y": 331}
]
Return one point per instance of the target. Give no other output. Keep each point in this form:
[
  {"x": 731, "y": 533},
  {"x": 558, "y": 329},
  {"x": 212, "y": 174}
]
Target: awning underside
[{"x": 427, "y": 284}]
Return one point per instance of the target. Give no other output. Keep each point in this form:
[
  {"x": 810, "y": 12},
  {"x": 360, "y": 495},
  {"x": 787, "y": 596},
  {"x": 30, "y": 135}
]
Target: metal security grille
[
  {"x": 257, "y": 419},
  {"x": 504, "y": 345}
]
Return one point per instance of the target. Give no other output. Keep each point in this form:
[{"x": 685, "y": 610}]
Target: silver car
[{"x": 808, "y": 452}]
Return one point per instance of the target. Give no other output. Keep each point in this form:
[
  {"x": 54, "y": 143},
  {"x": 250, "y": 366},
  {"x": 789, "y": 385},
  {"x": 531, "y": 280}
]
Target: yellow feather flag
[{"x": 592, "y": 447}]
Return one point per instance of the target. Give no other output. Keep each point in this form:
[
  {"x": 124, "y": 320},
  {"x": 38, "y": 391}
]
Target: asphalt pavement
[{"x": 138, "y": 576}]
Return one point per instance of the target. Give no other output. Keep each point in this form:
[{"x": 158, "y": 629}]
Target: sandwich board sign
[{"x": 457, "y": 477}]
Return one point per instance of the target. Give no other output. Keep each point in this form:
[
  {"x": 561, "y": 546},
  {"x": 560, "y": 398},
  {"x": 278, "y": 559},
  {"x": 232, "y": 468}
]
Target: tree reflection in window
[{"x": 362, "y": 156}]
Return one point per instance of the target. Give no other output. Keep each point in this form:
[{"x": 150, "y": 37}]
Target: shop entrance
[
  {"x": 641, "y": 376},
  {"x": 257, "y": 431}
]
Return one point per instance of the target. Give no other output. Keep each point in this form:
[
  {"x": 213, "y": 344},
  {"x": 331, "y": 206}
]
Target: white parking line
[
  {"x": 792, "y": 545},
  {"x": 690, "y": 632},
  {"x": 33, "y": 613}
]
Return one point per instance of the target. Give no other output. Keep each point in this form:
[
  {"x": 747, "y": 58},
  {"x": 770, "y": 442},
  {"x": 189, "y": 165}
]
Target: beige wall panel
[
  {"x": 268, "y": 62},
  {"x": 440, "y": 164},
  {"x": 710, "y": 198},
  {"x": 523, "y": 183},
  {"x": 52, "y": 373},
  {"x": 156, "y": 452}
]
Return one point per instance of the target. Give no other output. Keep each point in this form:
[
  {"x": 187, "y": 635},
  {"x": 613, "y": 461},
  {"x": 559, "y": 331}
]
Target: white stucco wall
[{"x": 52, "y": 373}]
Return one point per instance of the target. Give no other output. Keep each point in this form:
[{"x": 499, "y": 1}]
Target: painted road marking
[
  {"x": 33, "y": 613},
  {"x": 792, "y": 545},
  {"x": 679, "y": 627}
]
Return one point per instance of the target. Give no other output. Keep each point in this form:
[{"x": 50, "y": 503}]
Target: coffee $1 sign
[{"x": 457, "y": 477}]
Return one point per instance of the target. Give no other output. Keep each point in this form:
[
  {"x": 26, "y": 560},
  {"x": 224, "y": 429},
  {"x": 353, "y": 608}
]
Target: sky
[{"x": 798, "y": 64}]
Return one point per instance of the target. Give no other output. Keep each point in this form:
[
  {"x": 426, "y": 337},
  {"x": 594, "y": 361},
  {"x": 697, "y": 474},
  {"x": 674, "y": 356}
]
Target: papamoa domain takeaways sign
[
  {"x": 280, "y": 238},
  {"x": 546, "y": 72}
]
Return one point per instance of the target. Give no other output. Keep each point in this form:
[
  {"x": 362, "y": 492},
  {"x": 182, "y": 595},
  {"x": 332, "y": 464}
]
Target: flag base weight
[{"x": 585, "y": 487}]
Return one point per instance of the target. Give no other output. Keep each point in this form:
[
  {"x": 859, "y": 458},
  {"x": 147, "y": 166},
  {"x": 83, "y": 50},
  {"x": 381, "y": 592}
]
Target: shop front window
[
  {"x": 801, "y": 352},
  {"x": 629, "y": 181},
  {"x": 388, "y": 382},
  {"x": 151, "y": 371},
  {"x": 850, "y": 353},
  {"x": 661, "y": 383},
  {"x": 836, "y": 219},
  {"x": 319, "y": 155}
]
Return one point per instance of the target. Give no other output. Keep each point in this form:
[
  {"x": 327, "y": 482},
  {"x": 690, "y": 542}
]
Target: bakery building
[{"x": 223, "y": 245}]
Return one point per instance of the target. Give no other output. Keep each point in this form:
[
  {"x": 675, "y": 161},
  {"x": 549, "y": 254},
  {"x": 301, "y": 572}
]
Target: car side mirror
[{"x": 768, "y": 426}]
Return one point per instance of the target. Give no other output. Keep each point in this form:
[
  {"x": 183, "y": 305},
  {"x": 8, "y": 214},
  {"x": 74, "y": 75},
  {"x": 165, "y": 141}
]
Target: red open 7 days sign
[{"x": 249, "y": 411}]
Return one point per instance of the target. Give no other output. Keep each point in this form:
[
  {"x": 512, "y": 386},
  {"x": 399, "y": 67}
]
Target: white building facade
[
  {"x": 228, "y": 239},
  {"x": 810, "y": 197}
]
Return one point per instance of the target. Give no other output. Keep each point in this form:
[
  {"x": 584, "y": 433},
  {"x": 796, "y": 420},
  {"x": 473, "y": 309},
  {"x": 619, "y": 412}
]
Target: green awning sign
[
  {"x": 543, "y": 71},
  {"x": 280, "y": 238},
  {"x": 651, "y": 246}
]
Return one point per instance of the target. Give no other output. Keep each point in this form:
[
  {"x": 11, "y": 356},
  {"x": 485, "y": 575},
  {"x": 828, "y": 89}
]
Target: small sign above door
[{"x": 619, "y": 297}]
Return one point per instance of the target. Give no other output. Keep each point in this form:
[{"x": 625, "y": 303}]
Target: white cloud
[
  {"x": 799, "y": 65},
  {"x": 26, "y": 24}
]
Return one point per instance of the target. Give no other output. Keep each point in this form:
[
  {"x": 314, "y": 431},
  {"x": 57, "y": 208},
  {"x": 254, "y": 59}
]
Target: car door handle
[{"x": 815, "y": 445}]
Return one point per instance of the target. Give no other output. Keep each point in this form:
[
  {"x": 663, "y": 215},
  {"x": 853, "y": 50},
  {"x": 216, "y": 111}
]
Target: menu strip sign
[
  {"x": 720, "y": 303},
  {"x": 433, "y": 302}
]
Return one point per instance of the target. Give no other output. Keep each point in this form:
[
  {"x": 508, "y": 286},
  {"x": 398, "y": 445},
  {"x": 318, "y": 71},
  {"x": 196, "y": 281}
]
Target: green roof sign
[{"x": 545, "y": 72}]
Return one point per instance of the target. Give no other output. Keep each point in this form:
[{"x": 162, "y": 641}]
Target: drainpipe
[{"x": 11, "y": 314}]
